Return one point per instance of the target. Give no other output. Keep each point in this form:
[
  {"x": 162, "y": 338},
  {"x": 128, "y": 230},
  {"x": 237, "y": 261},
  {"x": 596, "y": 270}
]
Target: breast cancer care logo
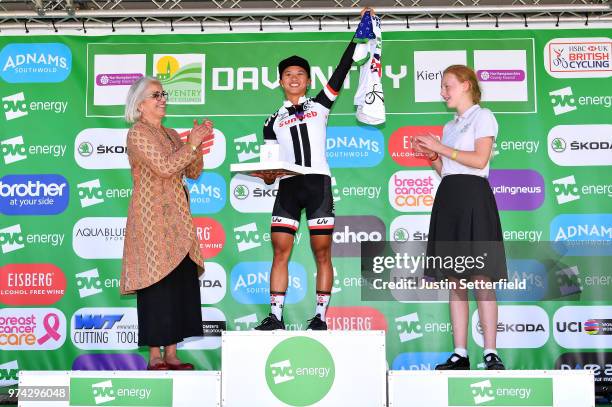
[{"x": 300, "y": 371}]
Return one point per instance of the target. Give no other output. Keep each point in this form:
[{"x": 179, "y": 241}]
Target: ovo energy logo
[
  {"x": 247, "y": 147},
  {"x": 14, "y": 106},
  {"x": 500, "y": 392},
  {"x": 563, "y": 101},
  {"x": 300, "y": 371},
  {"x": 120, "y": 392}
]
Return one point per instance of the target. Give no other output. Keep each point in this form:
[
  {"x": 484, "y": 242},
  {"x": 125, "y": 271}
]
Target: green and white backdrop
[{"x": 65, "y": 186}]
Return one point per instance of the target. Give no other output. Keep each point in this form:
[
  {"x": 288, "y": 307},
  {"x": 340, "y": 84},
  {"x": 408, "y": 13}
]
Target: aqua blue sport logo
[
  {"x": 418, "y": 360},
  {"x": 33, "y": 194},
  {"x": 349, "y": 147},
  {"x": 582, "y": 234},
  {"x": 39, "y": 62},
  {"x": 250, "y": 282},
  {"x": 208, "y": 193}
]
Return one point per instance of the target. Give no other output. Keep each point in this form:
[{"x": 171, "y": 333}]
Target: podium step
[
  {"x": 311, "y": 368},
  {"x": 119, "y": 388},
  {"x": 514, "y": 388}
]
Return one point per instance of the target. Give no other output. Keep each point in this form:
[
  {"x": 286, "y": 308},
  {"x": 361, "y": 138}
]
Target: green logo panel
[
  {"x": 482, "y": 391},
  {"x": 120, "y": 392}
]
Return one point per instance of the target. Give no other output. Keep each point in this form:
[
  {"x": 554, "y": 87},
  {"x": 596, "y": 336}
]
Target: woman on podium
[
  {"x": 161, "y": 254},
  {"x": 464, "y": 217}
]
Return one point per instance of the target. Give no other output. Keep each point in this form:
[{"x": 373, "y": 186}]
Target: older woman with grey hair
[{"x": 161, "y": 254}]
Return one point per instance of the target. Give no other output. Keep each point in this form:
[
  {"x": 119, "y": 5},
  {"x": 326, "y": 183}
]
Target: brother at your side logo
[
  {"x": 33, "y": 194},
  {"x": 37, "y": 62}
]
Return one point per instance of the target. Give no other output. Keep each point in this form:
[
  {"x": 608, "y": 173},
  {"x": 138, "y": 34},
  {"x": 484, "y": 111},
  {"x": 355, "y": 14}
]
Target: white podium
[
  {"x": 514, "y": 388},
  {"x": 308, "y": 368},
  {"x": 120, "y": 388}
]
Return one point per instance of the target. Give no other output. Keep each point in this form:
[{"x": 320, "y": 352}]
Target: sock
[
  {"x": 323, "y": 298},
  {"x": 277, "y": 299},
  {"x": 487, "y": 351},
  {"x": 461, "y": 352}
]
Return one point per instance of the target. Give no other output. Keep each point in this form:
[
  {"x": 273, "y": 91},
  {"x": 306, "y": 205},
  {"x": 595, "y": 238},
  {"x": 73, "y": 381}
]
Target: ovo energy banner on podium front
[{"x": 65, "y": 185}]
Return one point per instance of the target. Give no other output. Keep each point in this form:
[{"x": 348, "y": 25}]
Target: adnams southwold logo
[
  {"x": 12, "y": 238},
  {"x": 350, "y": 147},
  {"x": 567, "y": 189},
  {"x": 101, "y": 149},
  {"x": 563, "y": 100},
  {"x": 18, "y": 105},
  {"x": 92, "y": 193},
  {"x": 9, "y": 374},
  {"x": 14, "y": 149},
  {"x": 519, "y": 326},
  {"x": 580, "y": 145},
  {"x": 300, "y": 371},
  {"x": 578, "y": 57},
  {"x": 37, "y": 62},
  {"x": 250, "y": 282},
  {"x": 33, "y": 194},
  {"x": 409, "y": 327},
  {"x": 99, "y": 238}
]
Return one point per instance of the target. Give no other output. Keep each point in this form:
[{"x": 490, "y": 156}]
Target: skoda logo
[
  {"x": 85, "y": 149},
  {"x": 241, "y": 192},
  {"x": 558, "y": 145}
]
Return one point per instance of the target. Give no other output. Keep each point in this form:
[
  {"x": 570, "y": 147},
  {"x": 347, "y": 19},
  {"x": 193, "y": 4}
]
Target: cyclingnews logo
[
  {"x": 517, "y": 190},
  {"x": 500, "y": 392},
  {"x": 409, "y": 327},
  {"x": 581, "y": 145},
  {"x": 32, "y": 329},
  {"x": 33, "y": 194},
  {"x": 12, "y": 238},
  {"x": 120, "y": 392},
  {"x": 568, "y": 190},
  {"x": 35, "y": 63},
  {"x": 563, "y": 101},
  {"x": 17, "y": 105},
  {"x": 250, "y": 282},
  {"x": 578, "y": 57},
  {"x": 300, "y": 371},
  {"x": 14, "y": 150},
  {"x": 92, "y": 193}
]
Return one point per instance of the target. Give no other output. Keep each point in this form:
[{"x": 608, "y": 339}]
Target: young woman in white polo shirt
[{"x": 464, "y": 210}]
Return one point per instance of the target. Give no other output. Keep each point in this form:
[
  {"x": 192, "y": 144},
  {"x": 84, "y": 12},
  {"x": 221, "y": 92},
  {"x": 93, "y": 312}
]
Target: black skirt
[
  {"x": 170, "y": 310},
  {"x": 465, "y": 224}
]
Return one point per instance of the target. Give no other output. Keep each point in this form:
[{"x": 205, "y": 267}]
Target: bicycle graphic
[{"x": 370, "y": 97}]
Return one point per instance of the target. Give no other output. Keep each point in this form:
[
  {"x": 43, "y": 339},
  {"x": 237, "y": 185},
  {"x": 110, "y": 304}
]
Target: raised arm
[{"x": 328, "y": 94}]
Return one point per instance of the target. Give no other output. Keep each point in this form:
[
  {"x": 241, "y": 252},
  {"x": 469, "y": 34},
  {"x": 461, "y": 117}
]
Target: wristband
[
  {"x": 193, "y": 148},
  {"x": 433, "y": 157},
  {"x": 454, "y": 155}
]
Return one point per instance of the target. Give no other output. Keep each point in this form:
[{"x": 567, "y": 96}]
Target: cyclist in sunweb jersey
[{"x": 300, "y": 127}]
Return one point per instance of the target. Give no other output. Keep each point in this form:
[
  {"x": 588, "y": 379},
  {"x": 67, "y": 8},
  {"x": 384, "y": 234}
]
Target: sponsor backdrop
[{"x": 65, "y": 186}]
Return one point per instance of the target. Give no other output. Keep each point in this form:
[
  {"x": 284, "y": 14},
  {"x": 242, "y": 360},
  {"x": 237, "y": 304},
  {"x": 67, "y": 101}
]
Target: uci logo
[{"x": 14, "y": 106}]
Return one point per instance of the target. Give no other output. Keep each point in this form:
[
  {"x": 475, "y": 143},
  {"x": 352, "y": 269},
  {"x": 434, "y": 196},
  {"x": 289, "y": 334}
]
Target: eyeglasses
[{"x": 158, "y": 95}]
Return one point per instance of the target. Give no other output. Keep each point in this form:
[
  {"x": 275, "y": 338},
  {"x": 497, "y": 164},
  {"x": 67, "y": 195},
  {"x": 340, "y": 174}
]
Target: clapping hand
[
  {"x": 427, "y": 144},
  {"x": 202, "y": 135}
]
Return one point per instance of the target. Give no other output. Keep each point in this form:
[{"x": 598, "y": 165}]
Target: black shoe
[
  {"x": 270, "y": 323},
  {"x": 493, "y": 362},
  {"x": 316, "y": 324},
  {"x": 455, "y": 362}
]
